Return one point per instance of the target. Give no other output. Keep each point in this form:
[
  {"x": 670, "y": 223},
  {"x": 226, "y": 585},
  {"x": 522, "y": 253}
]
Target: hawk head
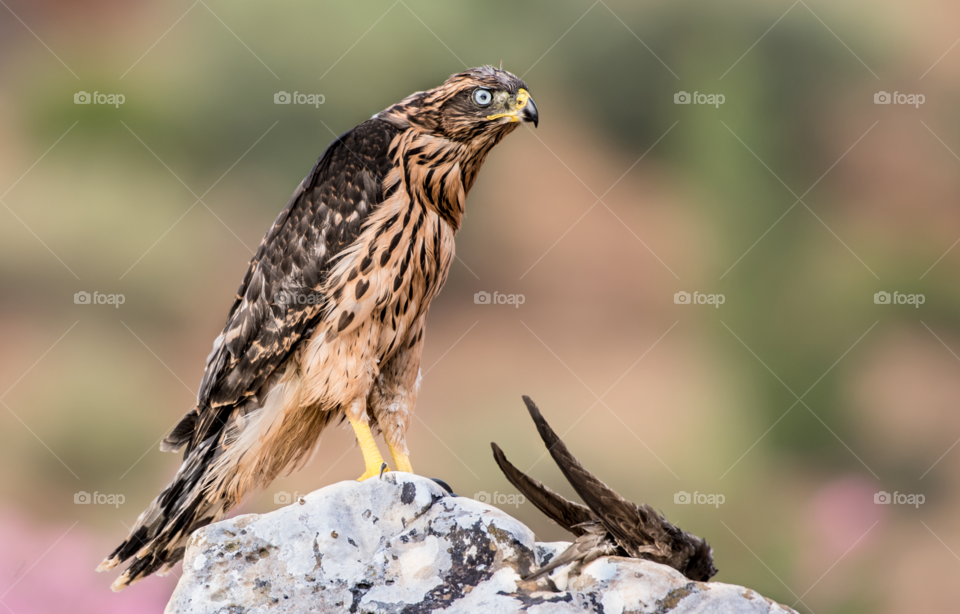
[{"x": 480, "y": 104}]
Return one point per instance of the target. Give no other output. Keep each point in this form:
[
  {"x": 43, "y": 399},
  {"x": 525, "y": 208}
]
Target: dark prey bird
[
  {"x": 608, "y": 525},
  {"x": 328, "y": 324}
]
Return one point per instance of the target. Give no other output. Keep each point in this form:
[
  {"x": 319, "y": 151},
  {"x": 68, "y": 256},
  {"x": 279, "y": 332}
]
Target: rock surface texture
[{"x": 400, "y": 544}]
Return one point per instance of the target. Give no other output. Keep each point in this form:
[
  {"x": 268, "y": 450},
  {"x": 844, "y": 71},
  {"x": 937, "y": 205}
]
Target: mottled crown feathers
[{"x": 450, "y": 111}]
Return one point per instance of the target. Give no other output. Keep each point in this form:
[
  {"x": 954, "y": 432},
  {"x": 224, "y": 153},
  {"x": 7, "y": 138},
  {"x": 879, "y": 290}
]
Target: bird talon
[
  {"x": 372, "y": 473},
  {"x": 371, "y": 456}
]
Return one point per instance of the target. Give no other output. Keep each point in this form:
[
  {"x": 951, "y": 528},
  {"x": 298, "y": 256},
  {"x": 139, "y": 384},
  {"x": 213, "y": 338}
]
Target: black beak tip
[{"x": 531, "y": 114}]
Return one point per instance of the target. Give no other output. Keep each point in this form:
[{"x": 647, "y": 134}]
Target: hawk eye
[{"x": 482, "y": 97}]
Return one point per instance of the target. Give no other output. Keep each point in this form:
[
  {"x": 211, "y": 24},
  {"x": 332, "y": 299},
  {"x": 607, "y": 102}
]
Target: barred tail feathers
[
  {"x": 159, "y": 536},
  {"x": 255, "y": 445}
]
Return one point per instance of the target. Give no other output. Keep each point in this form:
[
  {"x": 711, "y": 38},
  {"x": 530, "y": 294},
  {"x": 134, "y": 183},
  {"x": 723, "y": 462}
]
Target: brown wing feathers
[
  {"x": 338, "y": 195},
  {"x": 622, "y": 518},
  {"x": 567, "y": 514},
  {"x": 325, "y": 213}
]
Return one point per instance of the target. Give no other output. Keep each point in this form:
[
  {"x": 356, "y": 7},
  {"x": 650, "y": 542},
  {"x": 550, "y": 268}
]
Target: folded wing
[{"x": 567, "y": 514}]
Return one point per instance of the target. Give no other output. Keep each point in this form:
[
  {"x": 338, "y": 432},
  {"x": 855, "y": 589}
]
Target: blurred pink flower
[
  {"x": 50, "y": 570},
  {"x": 842, "y": 512}
]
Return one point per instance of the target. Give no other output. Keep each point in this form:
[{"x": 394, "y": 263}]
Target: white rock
[{"x": 400, "y": 544}]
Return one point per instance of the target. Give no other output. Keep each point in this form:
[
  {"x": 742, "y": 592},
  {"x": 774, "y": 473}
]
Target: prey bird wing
[
  {"x": 621, "y": 517},
  {"x": 592, "y": 541},
  {"x": 568, "y": 514},
  {"x": 588, "y": 547},
  {"x": 620, "y": 525}
]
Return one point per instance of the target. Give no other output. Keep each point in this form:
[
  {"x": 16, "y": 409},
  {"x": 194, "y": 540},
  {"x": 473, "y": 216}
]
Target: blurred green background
[{"x": 619, "y": 200}]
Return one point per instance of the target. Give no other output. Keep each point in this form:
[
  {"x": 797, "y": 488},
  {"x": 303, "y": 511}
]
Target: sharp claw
[
  {"x": 372, "y": 473},
  {"x": 445, "y": 486}
]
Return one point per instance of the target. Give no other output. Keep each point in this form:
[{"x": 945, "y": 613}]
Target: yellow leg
[
  {"x": 371, "y": 455},
  {"x": 400, "y": 459}
]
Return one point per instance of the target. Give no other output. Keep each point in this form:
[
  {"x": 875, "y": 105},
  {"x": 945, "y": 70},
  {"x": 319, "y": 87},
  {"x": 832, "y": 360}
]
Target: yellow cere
[{"x": 522, "y": 97}]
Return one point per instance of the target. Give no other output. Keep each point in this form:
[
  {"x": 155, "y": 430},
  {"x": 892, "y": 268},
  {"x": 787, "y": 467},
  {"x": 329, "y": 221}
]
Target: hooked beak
[
  {"x": 529, "y": 112},
  {"x": 524, "y": 110}
]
